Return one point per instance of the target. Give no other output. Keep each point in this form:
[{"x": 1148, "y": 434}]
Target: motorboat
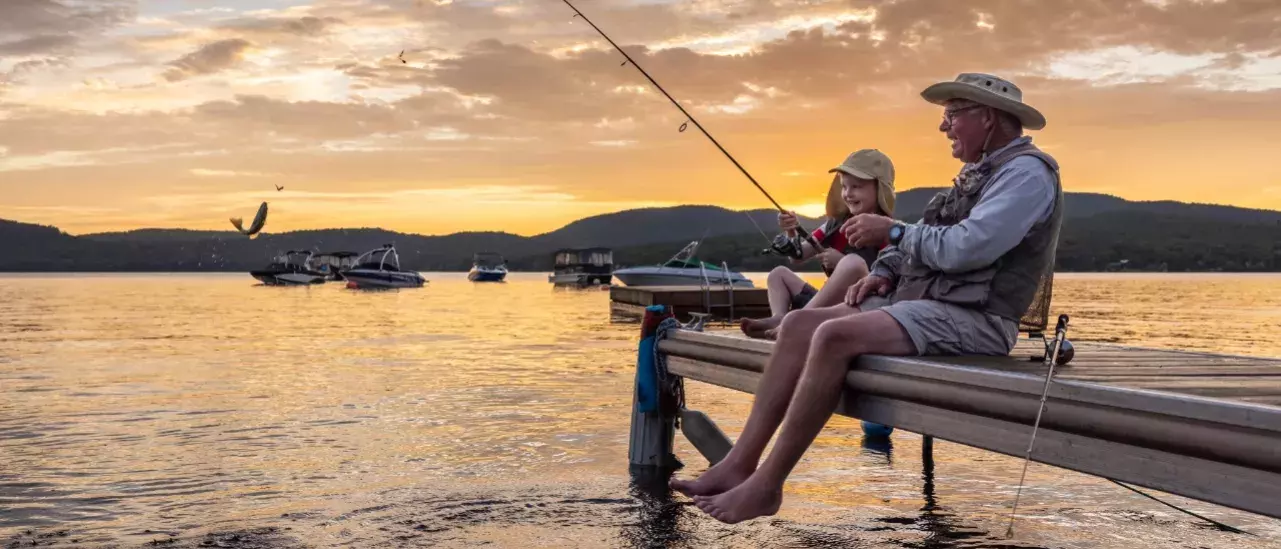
[
  {"x": 292, "y": 268},
  {"x": 682, "y": 270},
  {"x": 582, "y": 267},
  {"x": 487, "y": 267},
  {"x": 380, "y": 268},
  {"x": 334, "y": 264}
]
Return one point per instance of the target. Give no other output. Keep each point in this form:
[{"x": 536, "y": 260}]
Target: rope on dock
[{"x": 671, "y": 385}]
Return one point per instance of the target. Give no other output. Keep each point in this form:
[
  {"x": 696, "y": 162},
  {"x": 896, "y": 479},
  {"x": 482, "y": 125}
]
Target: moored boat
[
  {"x": 682, "y": 270},
  {"x": 292, "y": 268},
  {"x": 380, "y": 268},
  {"x": 582, "y": 267},
  {"x": 487, "y": 267},
  {"x": 334, "y": 264}
]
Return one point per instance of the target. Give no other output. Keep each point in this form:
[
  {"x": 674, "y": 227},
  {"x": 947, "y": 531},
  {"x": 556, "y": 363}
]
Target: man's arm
[
  {"x": 888, "y": 263},
  {"x": 1022, "y": 195}
]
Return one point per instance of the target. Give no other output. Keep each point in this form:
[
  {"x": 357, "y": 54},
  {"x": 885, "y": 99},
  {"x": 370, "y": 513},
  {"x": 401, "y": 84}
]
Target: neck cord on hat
[{"x": 988, "y": 140}]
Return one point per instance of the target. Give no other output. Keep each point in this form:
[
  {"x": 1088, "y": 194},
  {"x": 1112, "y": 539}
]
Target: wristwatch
[{"x": 896, "y": 233}]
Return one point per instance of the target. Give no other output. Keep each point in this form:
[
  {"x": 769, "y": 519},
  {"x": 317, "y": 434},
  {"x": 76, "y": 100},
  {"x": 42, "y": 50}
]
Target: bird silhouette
[
  {"x": 279, "y": 188},
  {"x": 401, "y": 57}
]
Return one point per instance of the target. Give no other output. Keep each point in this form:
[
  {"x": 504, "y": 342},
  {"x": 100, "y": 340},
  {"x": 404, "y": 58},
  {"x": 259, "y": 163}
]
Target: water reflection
[
  {"x": 943, "y": 530},
  {"x": 462, "y": 414},
  {"x": 658, "y": 511},
  {"x": 879, "y": 447}
]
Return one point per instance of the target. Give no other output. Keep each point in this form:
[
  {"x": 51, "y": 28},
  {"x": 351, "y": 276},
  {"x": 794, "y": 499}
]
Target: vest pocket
[{"x": 969, "y": 289}]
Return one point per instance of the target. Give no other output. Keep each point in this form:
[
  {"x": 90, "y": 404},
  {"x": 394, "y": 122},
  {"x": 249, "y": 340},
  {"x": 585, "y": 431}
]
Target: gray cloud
[
  {"x": 39, "y": 26},
  {"x": 209, "y": 59},
  {"x": 308, "y": 26},
  {"x": 37, "y": 44}
]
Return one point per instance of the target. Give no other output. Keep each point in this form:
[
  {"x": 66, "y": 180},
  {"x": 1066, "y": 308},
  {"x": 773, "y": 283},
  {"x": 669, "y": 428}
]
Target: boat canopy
[
  {"x": 335, "y": 259},
  {"x": 488, "y": 259},
  {"x": 597, "y": 257},
  {"x": 379, "y": 259}
]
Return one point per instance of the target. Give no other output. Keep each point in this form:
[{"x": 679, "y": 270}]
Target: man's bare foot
[
  {"x": 722, "y": 477},
  {"x": 751, "y": 499},
  {"x": 757, "y": 328}
]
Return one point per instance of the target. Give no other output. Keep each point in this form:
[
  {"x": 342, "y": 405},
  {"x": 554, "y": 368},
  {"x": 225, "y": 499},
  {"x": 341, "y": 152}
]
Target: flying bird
[
  {"x": 280, "y": 188},
  {"x": 259, "y": 221},
  {"x": 401, "y": 57}
]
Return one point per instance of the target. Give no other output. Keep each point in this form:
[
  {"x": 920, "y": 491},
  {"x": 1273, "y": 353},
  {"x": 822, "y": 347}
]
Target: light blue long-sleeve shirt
[{"x": 1020, "y": 195}]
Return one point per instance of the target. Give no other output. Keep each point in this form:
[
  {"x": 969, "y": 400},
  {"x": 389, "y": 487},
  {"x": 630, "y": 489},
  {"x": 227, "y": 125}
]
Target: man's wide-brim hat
[{"x": 989, "y": 90}]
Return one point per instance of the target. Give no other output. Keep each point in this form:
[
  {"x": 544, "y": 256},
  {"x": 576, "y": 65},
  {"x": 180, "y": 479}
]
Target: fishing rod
[
  {"x": 780, "y": 244},
  {"x": 1051, "y": 360}
]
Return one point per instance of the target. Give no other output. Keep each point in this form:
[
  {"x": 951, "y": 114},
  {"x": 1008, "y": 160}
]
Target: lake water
[{"x": 209, "y": 411}]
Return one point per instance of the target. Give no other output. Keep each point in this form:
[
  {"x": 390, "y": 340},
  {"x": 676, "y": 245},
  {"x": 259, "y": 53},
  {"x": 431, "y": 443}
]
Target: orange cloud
[{"x": 1146, "y": 100}]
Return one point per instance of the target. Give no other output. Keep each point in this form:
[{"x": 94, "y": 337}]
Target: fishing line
[
  {"x": 690, "y": 118},
  {"x": 1180, "y": 509}
]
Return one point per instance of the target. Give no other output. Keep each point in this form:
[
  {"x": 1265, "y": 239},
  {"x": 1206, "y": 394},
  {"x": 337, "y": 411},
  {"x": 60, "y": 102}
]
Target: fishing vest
[{"x": 1007, "y": 287}]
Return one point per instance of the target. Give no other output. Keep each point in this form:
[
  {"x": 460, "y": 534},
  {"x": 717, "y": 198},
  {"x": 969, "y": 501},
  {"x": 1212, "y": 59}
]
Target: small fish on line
[{"x": 256, "y": 227}]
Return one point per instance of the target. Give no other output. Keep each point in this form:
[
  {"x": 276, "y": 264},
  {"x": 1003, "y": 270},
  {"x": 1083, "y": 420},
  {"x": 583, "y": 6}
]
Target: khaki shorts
[{"x": 938, "y": 328}]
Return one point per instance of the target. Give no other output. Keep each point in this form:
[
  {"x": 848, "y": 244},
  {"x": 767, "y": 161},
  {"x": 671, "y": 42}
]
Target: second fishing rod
[{"x": 780, "y": 245}]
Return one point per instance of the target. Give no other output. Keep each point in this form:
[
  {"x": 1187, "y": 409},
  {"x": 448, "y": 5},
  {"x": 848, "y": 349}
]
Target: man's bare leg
[
  {"x": 849, "y": 271},
  {"x": 780, "y": 285},
  {"x": 836, "y": 343},
  {"x": 771, "y": 402}
]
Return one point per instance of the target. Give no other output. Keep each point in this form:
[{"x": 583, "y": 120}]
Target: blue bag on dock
[
  {"x": 646, "y": 376},
  {"x": 647, "y": 389}
]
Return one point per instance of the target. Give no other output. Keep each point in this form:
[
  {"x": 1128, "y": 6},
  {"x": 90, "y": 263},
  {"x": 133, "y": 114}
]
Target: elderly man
[{"x": 958, "y": 282}]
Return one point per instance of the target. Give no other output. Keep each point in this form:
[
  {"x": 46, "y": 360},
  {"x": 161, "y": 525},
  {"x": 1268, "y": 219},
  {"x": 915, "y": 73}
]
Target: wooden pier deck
[
  {"x": 1199, "y": 425},
  {"x": 682, "y": 300}
]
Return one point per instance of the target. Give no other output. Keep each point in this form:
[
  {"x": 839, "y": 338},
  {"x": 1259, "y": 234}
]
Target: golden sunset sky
[{"x": 511, "y": 116}]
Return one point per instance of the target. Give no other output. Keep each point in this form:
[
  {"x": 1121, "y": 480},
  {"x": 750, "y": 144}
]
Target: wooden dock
[
  {"x": 719, "y": 302},
  {"x": 1198, "y": 425}
]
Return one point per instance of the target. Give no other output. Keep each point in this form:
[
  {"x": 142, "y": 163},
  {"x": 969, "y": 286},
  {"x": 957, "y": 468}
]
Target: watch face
[{"x": 896, "y": 232}]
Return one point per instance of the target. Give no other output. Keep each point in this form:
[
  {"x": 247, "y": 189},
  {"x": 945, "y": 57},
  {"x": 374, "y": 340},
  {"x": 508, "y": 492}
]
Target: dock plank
[
  {"x": 1250, "y": 379},
  {"x": 1206, "y": 426}
]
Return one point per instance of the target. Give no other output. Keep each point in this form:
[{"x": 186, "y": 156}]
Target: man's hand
[
  {"x": 787, "y": 221},
  {"x": 867, "y": 230},
  {"x": 830, "y": 257},
  {"x": 871, "y": 284}
]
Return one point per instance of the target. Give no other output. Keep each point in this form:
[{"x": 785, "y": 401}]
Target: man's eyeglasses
[{"x": 949, "y": 115}]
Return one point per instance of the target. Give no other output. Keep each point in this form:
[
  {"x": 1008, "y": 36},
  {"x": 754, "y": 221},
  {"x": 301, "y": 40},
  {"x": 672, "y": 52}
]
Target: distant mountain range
[{"x": 1101, "y": 232}]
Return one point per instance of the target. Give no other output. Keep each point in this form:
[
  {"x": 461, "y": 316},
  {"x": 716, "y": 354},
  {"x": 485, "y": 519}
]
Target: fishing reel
[
  {"x": 786, "y": 246},
  {"x": 1066, "y": 350}
]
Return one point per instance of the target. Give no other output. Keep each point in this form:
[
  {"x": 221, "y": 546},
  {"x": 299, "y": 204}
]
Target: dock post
[
  {"x": 927, "y": 451},
  {"x": 653, "y": 429}
]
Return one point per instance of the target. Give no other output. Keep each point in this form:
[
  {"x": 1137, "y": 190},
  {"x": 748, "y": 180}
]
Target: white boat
[
  {"x": 380, "y": 268},
  {"x": 487, "y": 267},
  {"x": 582, "y": 267},
  {"x": 682, "y": 270},
  {"x": 287, "y": 270},
  {"x": 333, "y": 264}
]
